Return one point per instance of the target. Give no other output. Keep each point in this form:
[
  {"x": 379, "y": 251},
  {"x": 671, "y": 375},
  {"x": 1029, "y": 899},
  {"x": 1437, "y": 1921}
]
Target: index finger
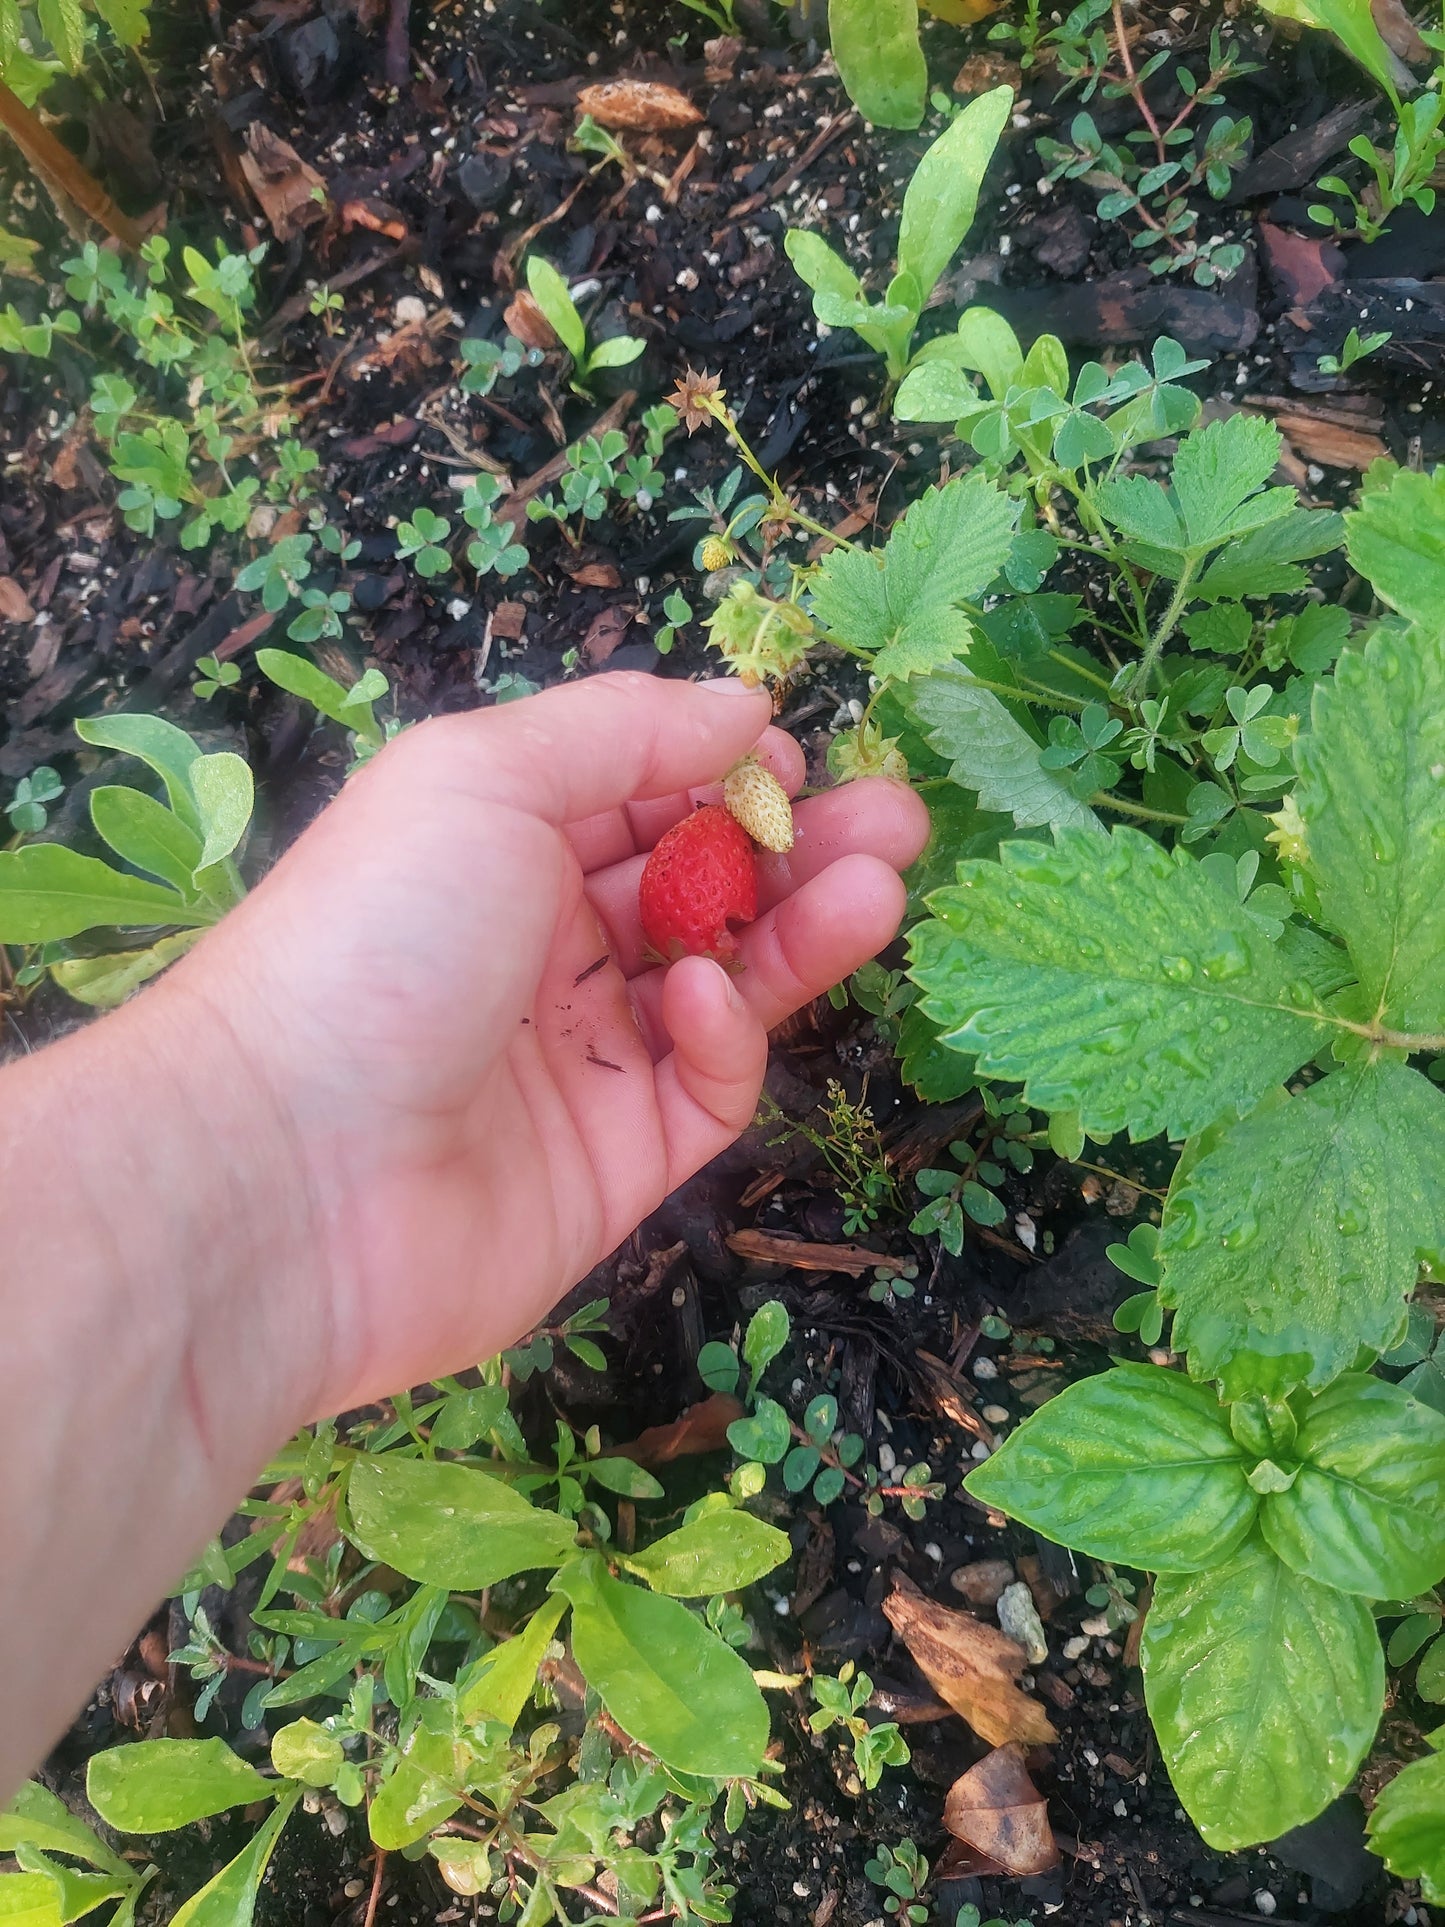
[{"x": 577, "y": 751}]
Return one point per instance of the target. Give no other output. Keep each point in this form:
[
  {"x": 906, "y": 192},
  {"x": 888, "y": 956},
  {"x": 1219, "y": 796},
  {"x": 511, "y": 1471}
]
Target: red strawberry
[{"x": 700, "y": 879}]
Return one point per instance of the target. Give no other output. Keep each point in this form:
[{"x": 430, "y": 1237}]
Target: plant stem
[
  {"x": 1143, "y": 675},
  {"x": 1103, "y": 801}
]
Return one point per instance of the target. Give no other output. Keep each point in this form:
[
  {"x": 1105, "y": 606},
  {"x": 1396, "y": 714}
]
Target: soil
[{"x": 440, "y": 182}]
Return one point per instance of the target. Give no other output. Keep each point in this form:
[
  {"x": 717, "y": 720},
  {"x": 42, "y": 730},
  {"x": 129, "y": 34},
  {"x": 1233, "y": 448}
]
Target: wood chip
[
  {"x": 762, "y": 1247},
  {"x": 606, "y": 631},
  {"x": 509, "y": 619},
  {"x": 643, "y": 106},
  {"x": 523, "y": 318},
  {"x": 1332, "y": 444},
  {"x": 15, "y": 605},
  {"x": 971, "y": 1665},
  {"x": 284, "y": 185},
  {"x": 996, "y": 1809}
]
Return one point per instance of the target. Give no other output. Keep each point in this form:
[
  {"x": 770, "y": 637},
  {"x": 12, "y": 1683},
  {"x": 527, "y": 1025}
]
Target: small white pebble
[
  {"x": 354, "y": 1889},
  {"x": 1097, "y": 1627},
  {"x": 933, "y": 1551},
  {"x": 410, "y": 309},
  {"x": 1026, "y": 1231},
  {"x": 887, "y": 1458},
  {"x": 780, "y": 1607},
  {"x": 995, "y": 1414},
  {"x": 1075, "y": 1648},
  {"x": 335, "y": 1822},
  {"x": 687, "y": 278},
  {"x": 985, "y": 1368},
  {"x": 654, "y": 214},
  {"x": 980, "y": 1450},
  {"x": 458, "y": 607},
  {"x": 1264, "y": 1901},
  {"x": 801, "y": 1889},
  {"x": 1120, "y": 1809},
  {"x": 1315, "y": 472}
]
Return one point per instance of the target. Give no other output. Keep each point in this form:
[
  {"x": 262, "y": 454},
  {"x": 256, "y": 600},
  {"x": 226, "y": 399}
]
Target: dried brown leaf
[
  {"x": 701, "y": 1428},
  {"x": 1398, "y": 31},
  {"x": 971, "y": 1665},
  {"x": 284, "y": 185},
  {"x": 643, "y": 106},
  {"x": 996, "y": 1809},
  {"x": 15, "y": 605},
  {"x": 523, "y": 318}
]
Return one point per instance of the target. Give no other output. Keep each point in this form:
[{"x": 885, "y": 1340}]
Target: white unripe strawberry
[{"x": 756, "y": 799}]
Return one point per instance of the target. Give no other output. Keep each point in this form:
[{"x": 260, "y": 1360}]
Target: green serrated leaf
[
  {"x": 1372, "y": 795},
  {"x": 991, "y": 753},
  {"x": 1396, "y": 539},
  {"x": 1265, "y": 562},
  {"x": 1114, "y": 980},
  {"x": 1295, "y": 1240},
  {"x": 63, "y": 24},
  {"x": 1265, "y": 1690},
  {"x": 1136, "y": 1466}
]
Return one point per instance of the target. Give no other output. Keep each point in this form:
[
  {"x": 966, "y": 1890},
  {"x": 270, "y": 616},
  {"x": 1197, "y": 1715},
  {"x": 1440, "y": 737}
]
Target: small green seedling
[
  {"x": 214, "y": 675},
  {"x": 938, "y": 211},
  {"x": 1356, "y": 347},
  {"x": 841, "y": 1702},
  {"x": 354, "y": 708},
  {"x": 552, "y": 296},
  {"x": 420, "y": 541},
  {"x": 27, "y": 807},
  {"x": 494, "y": 548},
  {"x": 902, "y": 1872}
]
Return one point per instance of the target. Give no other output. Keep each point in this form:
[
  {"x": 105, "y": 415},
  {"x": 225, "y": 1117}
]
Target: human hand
[{"x": 475, "y": 1112}]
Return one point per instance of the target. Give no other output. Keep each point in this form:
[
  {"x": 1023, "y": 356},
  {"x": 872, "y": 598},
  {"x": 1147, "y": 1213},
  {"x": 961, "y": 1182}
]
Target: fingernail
[{"x": 728, "y": 686}]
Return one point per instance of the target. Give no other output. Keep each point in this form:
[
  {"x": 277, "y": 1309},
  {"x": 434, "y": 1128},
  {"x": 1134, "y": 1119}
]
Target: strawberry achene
[{"x": 700, "y": 880}]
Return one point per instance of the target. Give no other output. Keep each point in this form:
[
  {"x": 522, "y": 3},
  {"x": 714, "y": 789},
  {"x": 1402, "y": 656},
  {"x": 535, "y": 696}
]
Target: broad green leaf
[
  {"x": 720, "y": 1552},
  {"x": 939, "y": 205},
  {"x": 48, "y": 892},
  {"x": 552, "y": 296},
  {"x": 668, "y": 1681},
  {"x": 156, "y": 1786},
  {"x": 1265, "y": 1690},
  {"x": 448, "y": 1525},
  {"x": 155, "y": 742},
  {"x": 1352, "y": 22},
  {"x": 38, "y": 1816},
  {"x": 76, "y": 1893},
  {"x": 229, "y": 1900},
  {"x": 1366, "y": 1511},
  {"x": 1295, "y": 1239},
  {"x": 298, "y": 677},
  {"x": 991, "y": 753},
  {"x": 616, "y": 352},
  {"x": 468, "y": 1416},
  {"x": 934, "y": 391},
  {"x": 63, "y": 24},
  {"x": 765, "y": 1337},
  {"x": 1407, "y": 1826},
  {"x": 144, "y": 832},
  {"x": 499, "y": 1685},
  {"x": 225, "y": 792},
  {"x": 128, "y": 20},
  {"x": 104, "y": 982},
  {"x": 879, "y": 59},
  {"x": 1114, "y": 980},
  {"x": 425, "y": 1787},
  {"x": 29, "y": 1900},
  {"x": 624, "y": 1476},
  {"x": 1372, "y": 795},
  {"x": 986, "y": 343},
  {"x": 822, "y": 268},
  {"x": 1136, "y": 1466},
  {"x": 1396, "y": 539},
  {"x": 305, "y": 1751}
]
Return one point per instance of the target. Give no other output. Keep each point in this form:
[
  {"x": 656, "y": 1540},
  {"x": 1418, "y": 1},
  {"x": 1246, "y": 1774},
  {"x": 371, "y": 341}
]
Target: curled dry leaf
[
  {"x": 1398, "y": 31},
  {"x": 526, "y": 321},
  {"x": 289, "y": 191},
  {"x": 996, "y": 1809},
  {"x": 643, "y": 106},
  {"x": 973, "y": 1666}
]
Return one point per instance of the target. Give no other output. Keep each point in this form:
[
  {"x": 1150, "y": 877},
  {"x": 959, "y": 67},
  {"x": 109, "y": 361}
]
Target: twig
[
  {"x": 63, "y": 175},
  {"x": 373, "y": 1899},
  {"x": 829, "y": 131}
]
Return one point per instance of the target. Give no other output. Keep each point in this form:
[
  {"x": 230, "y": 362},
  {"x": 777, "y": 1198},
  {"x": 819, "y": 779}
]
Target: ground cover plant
[{"x": 706, "y": 376}]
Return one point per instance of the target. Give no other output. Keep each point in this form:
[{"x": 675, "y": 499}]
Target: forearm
[{"x": 158, "y": 1343}]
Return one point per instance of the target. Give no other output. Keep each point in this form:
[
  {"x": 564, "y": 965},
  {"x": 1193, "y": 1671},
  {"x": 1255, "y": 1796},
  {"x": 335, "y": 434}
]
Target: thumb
[{"x": 707, "y": 1089}]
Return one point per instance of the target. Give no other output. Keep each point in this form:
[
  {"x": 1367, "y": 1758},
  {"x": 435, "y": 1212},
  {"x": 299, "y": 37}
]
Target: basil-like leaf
[{"x": 448, "y": 1525}]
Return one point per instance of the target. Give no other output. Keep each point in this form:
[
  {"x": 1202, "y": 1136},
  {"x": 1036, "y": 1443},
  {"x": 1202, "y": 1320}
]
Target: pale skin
[{"x": 362, "y": 1134}]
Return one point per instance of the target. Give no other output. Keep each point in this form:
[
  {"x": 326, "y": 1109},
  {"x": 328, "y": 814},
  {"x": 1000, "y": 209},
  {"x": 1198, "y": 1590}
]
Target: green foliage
[
  {"x": 879, "y": 59},
  {"x": 840, "y": 1702},
  {"x": 67, "y": 29},
  {"x": 1407, "y": 1826},
  {"x": 938, "y": 211},
  {"x": 552, "y": 296}
]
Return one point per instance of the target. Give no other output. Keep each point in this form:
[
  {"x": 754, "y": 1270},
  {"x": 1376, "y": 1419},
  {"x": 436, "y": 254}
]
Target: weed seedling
[{"x": 552, "y": 296}]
